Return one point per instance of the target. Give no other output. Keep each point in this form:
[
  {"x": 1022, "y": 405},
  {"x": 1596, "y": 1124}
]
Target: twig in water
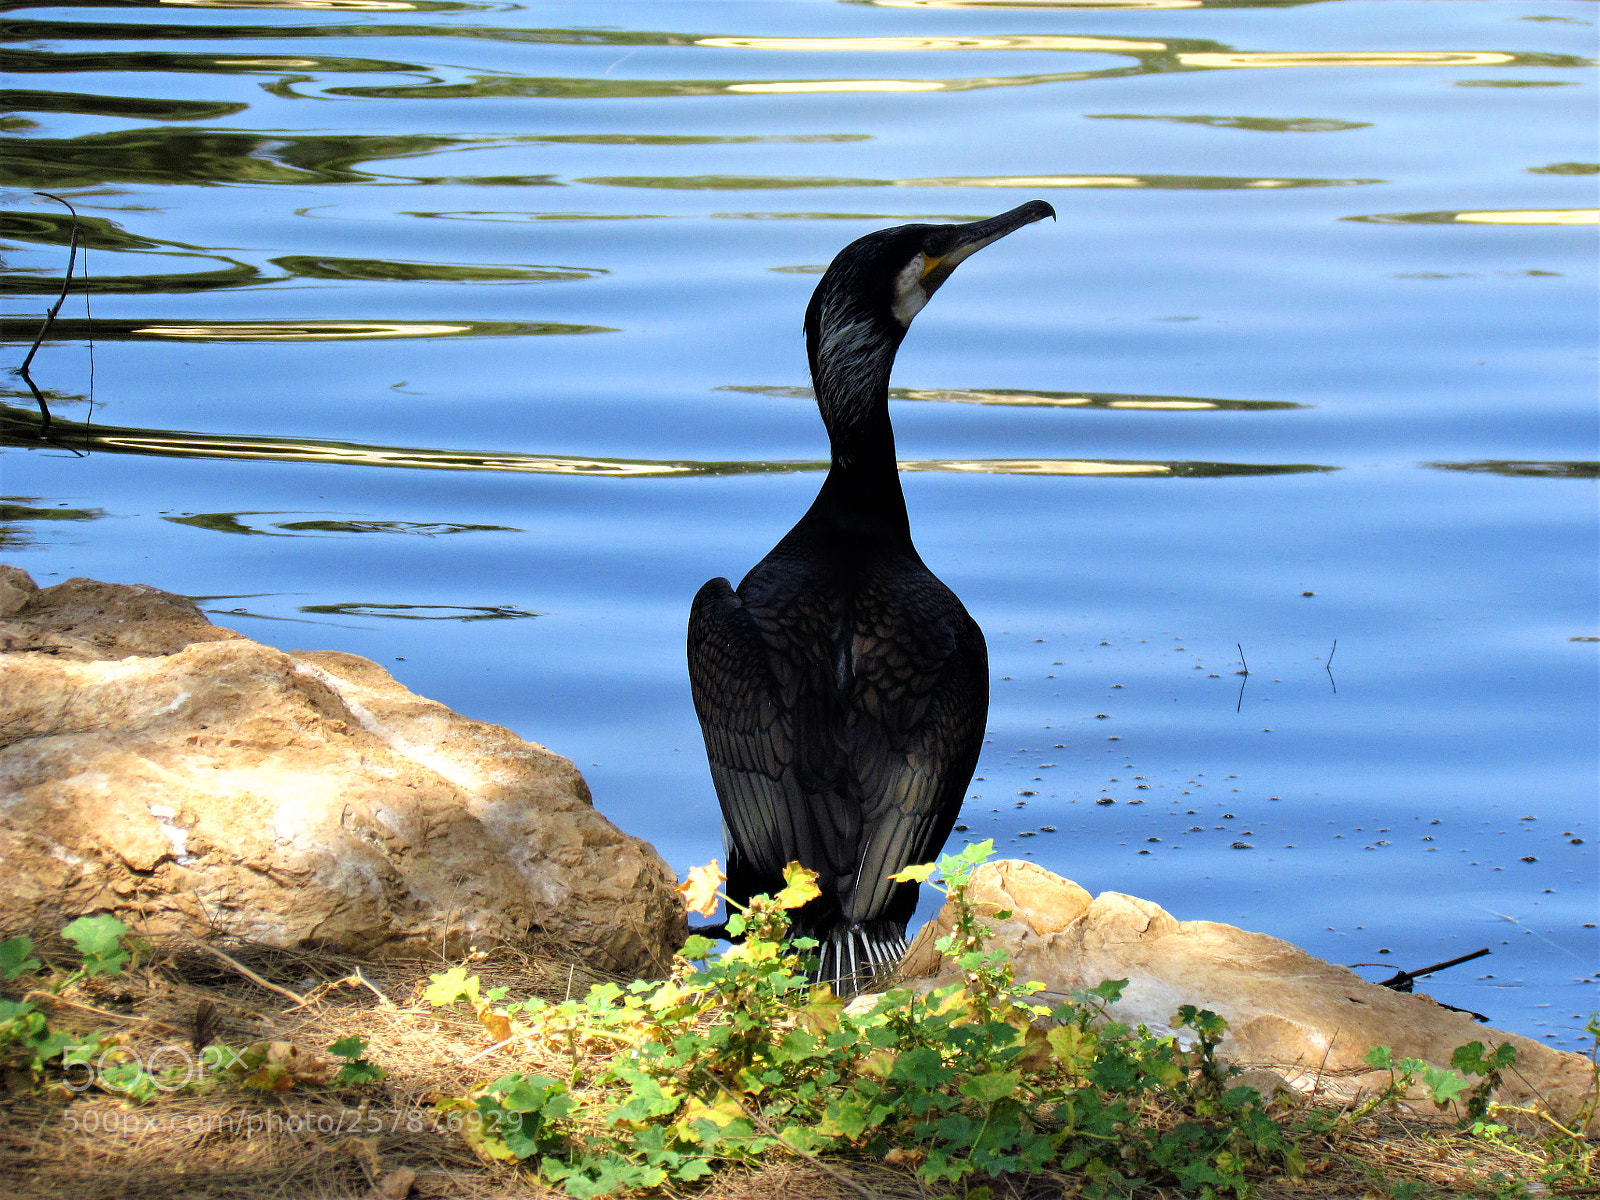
[
  {"x": 1328, "y": 667},
  {"x": 1402, "y": 980},
  {"x": 50, "y": 317},
  {"x": 1239, "y": 704}
]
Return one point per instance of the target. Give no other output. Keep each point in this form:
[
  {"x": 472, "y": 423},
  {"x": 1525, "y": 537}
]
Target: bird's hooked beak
[
  {"x": 945, "y": 247},
  {"x": 938, "y": 261}
]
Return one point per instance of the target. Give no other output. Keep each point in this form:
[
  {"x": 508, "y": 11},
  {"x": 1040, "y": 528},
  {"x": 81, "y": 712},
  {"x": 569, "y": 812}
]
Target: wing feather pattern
[{"x": 842, "y": 729}]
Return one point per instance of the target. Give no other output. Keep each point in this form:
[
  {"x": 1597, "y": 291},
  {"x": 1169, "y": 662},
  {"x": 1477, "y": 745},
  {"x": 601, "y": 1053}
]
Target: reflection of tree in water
[
  {"x": 1035, "y": 398},
  {"x": 166, "y": 155},
  {"x": 1525, "y": 469},
  {"x": 19, "y": 428},
  {"x": 422, "y": 612},
  {"x": 16, "y": 511},
  {"x": 229, "y": 522},
  {"x": 129, "y": 108}
]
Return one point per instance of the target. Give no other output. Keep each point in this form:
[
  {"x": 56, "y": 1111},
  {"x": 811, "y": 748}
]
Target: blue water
[{"x": 466, "y": 337}]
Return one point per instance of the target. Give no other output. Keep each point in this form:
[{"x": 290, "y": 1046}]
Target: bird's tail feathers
[{"x": 851, "y": 957}]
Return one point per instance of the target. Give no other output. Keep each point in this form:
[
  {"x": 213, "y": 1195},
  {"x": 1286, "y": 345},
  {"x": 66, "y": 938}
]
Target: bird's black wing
[
  {"x": 749, "y": 735},
  {"x": 912, "y": 737}
]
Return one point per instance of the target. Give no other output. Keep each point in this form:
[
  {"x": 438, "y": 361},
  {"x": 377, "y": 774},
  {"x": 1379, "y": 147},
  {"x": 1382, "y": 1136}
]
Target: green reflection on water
[
  {"x": 324, "y": 267},
  {"x": 15, "y": 510},
  {"x": 229, "y": 522},
  {"x": 1515, "y": 83},
  {"x": 1032, "y": 398},
  {"x": 780, "y": 182},
  {"x": 94, "y": 233},
  {"x": 224, "y": 523},
  {"x": 164, "y": 155},
  {"x": 123, "y": 330},
  {"x": 672, "y": 139},
  {"x": 21, "y": 428},
  {"x": 1257, "y": 124},
  {"x": 234, "y": 276},
  {"x": 44, "y": 62},
  {"x": 422, "y": 612},
  {"x": 130, "y": 108},
  {"x": 845, "y": 216},
  {"x": 413, "y": 528},
  {"x": 508, "y": 217},
  {"x": 1525, "y": 216},
  {"x": 1523, "y": 469}
]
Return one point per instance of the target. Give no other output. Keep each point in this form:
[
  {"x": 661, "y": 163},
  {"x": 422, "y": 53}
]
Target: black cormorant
[{"x": 842, "y": 689}]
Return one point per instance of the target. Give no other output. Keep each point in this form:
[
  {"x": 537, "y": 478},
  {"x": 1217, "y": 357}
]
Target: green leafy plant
[
  {"x": 16, "y": 957},
  {"x": 356, "y": 1070},
  {"x": 26, "y": 1039},
  {"x": 99, "y": 940},
  {"x": 737, "y": 1055}
]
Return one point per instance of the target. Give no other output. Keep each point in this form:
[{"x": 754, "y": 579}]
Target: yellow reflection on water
[
  {"x": 1160, "y": 404},
  {"x": 797, "y": 86},
  {"x": 1053, "y": 42},
  {"x": 1531, "y": 216},
  {"x": 334, "y": 5},
  {"x": 1027, "y": 181},
  {"x": 1036, "y": 466},
  {"x": 1035, "y": 3},
  {"x": 266, "y": 331},
  {"x": 1349, "y": 58},
  {"x": 1021, "y": 399}
]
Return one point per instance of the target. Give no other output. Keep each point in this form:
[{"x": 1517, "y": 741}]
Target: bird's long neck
[{"x": 851, "y": 377}]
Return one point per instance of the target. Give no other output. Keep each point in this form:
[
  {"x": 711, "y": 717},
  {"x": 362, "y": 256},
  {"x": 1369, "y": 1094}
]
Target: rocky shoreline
[{"x": 190, "y": 780}]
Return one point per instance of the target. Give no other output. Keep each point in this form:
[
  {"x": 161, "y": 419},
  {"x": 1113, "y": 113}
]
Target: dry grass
[{"x": 317, "y": 1143}]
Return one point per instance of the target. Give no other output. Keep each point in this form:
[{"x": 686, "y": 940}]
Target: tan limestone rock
[
  {"x": 188, "y": 778},
  {"x": 1311, "y": 1021}
]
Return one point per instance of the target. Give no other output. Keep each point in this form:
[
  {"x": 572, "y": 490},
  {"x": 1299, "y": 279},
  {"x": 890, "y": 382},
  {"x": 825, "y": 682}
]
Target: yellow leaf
[
  {"x": 800, "y": 885},
  {"x": 823, "y": 1012},
  {"x": 1073, "y": 1048},
  {"x": 497, "y": 1024},
  {"x": 1035, "y": 1054},
  {"x": 749, "y": 1081},
  {"x": 877, "y": 1064},
  {"x": 721, "y": 1114},
  {"x": 699, "y": 890}
]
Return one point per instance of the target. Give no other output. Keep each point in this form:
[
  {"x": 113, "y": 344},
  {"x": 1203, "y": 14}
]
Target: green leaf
[
  {"x": 351, "y": 1047},
  {"x": 647, "y": 1099},
  {"x": 914, "y": 874},
  {"x": 1443, "y": 1086},
  {"x": 1109, "y": 990},
  {"x": 97, "y": 940},
  {"x": 358, "y": 1074},
  {"x": 996, "y": 1085},
  {"x": 1471, "y": 1059},
  {"x": 697, "y": 948},
  {"x": 15, "y": 957},
  {"x": 449, "y": 986},
  {"x": 921, "y": 1065}
]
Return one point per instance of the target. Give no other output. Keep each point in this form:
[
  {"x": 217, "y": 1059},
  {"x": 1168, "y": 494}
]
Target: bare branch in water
[{"x": 49, "y": 319}]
